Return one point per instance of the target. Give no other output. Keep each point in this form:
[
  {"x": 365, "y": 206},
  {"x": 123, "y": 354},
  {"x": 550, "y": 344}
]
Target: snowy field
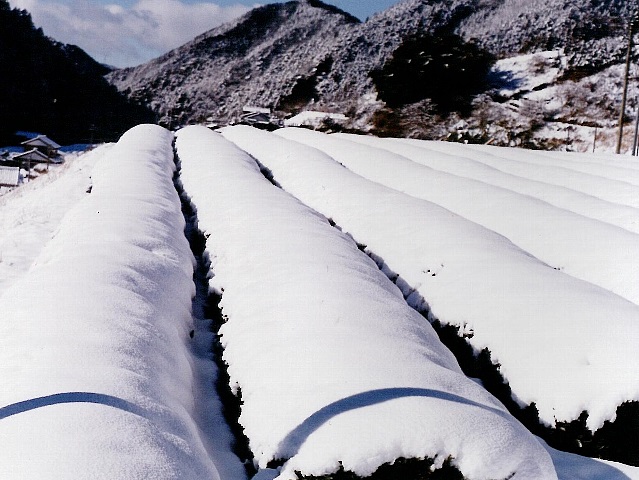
[
  {"x": 98, "y": 374},
  {"x": 324, "y": 284}
]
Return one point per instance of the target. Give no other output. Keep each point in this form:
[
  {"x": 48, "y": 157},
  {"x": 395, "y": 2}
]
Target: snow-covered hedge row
[
  {"x": 612, "y": 190},
  {"x": 96, "y": 377},
  {"x": 594, "y": 251},
  {"x": 621, "y": 169},
  {"x": 449, "y": 157},
  {"x": 562, "y": 343},
  {"x": 335, "y": 369}
]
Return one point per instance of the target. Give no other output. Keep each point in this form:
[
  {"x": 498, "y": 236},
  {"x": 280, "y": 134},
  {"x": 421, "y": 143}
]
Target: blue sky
[{"x": 125, "y": 33}]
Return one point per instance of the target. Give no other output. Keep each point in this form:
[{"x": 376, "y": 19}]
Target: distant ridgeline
[
  {"x": 420, "y": 63},
  {"x": 56, "y": 89}
]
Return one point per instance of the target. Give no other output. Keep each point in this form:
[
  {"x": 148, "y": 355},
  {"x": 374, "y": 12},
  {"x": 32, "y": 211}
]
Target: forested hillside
[{"x": 54, "y": 88}]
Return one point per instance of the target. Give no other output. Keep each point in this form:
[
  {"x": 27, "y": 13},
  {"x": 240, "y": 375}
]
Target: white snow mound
[
  {"x": 563, "y": 239},
  {"x": 333, "y": 366},
  {"x": 468, "y": 276},
  {"x": 93, "y": 357}
]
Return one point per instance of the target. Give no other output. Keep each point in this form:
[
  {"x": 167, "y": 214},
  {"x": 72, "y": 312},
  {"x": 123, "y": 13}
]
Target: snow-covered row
[
  {"x": 598, "y": 158},
  {"x": 31, "y": 214},
  {"x": 610, "y": 170},
  {"x": 94, "y": 357},
  {"x": 471, "y": 277},
  {"x": 464, "y": 166},
  {"x": 335, "y": 369},
  {"x": 593, "y": 251},
  {"x": 616, "y": 191}
]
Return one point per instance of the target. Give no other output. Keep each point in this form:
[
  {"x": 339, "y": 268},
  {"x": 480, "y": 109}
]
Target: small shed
[
  {"x": 259, "y": 117},
  {"x": 31, "y": 158},
  {"x": 43, "y": 144},
  {"x": 9, "y": 176}
]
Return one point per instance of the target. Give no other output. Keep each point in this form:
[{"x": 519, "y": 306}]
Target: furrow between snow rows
[
  {"x": 513, "y": 304},
  {"x": 96, "y": 367},
  {"x": 597, "y": 252},
  {"x": 335, "y": 370},
  {"x": 615, "y": 191},
  {"x": 464, "y": 166}
]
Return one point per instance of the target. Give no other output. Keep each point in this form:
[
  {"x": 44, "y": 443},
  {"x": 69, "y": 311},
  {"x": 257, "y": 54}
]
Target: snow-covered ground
[
  {"x": 96, "y": 367},
  {"x": 31, "y": 213},
  {"x": 308, "y": 340},
  {"x": 101, "y": 378},
  {"x": 471, "y": 277},
  {"x": 463, "y": 162},
  {"x": 558, "y": 237}
]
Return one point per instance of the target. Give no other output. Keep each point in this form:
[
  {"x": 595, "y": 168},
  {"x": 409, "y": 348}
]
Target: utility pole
[
  {"x": 634, "y": 143},
  {"x": 631, "y": 32}
]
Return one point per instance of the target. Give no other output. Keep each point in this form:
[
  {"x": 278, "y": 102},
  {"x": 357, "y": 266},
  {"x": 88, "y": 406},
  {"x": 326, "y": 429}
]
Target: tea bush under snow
[{"x": 102, "y": 379}]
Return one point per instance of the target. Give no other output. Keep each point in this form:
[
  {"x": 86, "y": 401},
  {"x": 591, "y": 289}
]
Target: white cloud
[{"x": 126, "y": 35}]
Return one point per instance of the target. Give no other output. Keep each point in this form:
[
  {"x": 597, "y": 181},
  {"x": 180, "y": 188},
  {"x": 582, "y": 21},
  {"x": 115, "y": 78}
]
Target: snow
[
  {"x": 102, "y": 380},
  {"x": 614, "y": 191},
  {"x": 605, "y": 169},
  {"x": 574, "y": 467},
  {"x": 94, "y": 339},
  {"x": 30, "y": 214},
  {"x": 527, "y": 73},
  {"x": 462, "y": 162},
  {"x": 469, "y": 276},
  {"x": 312, "y": 118},
  {"x": 326, "y": 379},
  {"x": 567, "y": 241}
]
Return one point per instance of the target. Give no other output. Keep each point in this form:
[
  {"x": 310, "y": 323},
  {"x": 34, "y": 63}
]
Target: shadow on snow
[{"x": 70, "y": 397}]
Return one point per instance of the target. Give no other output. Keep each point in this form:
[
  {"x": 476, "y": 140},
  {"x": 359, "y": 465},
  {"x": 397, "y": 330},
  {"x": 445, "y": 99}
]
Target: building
[
  {"x": 43, "y": 144},
  {"x": 9, "y": 176},
  {"x": 259, "y": 117},
  {"x": 26, "y": 159}
]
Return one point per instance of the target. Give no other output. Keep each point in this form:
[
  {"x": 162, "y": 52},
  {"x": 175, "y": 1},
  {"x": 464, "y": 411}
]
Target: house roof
[
  {"x": 41, "y": 141},
  {"x": 34, "y": 155},
  {"x": 9, "y": 176}
]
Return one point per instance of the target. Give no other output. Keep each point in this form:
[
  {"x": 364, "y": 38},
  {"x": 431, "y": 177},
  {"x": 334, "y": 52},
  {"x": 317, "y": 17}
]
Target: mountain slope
[
  {"x": 257, "y": 60},
  {"x": 304, "y": 54},
  {"x": 55, "y": 88}
]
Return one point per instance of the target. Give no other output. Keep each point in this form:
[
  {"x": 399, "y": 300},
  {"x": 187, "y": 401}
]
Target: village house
[
  {"x": 27, "y": 159},
  {"x": 43, "y": 144},
  {"x": 259, "y": 117}
]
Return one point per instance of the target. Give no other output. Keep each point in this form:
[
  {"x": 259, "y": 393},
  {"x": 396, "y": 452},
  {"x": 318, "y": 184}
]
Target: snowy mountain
[
  {"x": 307, "y": 55},
  {"x": 271, "y": 56}
]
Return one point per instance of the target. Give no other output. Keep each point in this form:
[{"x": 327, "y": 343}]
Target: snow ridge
[
  {"x": 320, "y": 339},
  {"x": 93, "y": 340},
  {"x": 560, "y": 238},
  {"x": 513, "y": 304}
]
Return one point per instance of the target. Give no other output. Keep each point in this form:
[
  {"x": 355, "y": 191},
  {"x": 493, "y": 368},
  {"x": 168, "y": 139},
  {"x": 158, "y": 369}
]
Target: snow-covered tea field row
[
  {"x": 328, "y": 275},
  {"x": 98, "y": 377},
  {"x": 462, "y": 273},
  {"x": 320, "y": 339}
]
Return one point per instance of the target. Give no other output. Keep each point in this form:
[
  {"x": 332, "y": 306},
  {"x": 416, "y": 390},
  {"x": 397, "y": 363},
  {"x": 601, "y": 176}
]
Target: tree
[{"x": 443, "y": 68}]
